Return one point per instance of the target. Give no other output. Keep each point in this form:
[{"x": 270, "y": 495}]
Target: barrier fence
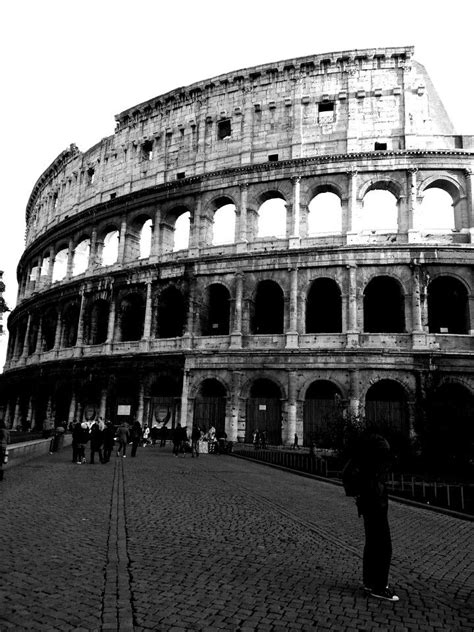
[{"x": 453, "y": 496}]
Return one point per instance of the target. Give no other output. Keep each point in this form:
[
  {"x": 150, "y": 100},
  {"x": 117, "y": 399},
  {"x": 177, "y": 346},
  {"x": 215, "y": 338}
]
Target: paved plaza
[{"x": 216, "y": 543}]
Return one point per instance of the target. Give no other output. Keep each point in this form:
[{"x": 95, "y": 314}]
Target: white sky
[{"x": 68, "y": 67}]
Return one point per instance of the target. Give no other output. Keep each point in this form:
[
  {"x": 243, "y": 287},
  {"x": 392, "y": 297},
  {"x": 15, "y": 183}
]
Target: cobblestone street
[{"x": 215, "y": 543}]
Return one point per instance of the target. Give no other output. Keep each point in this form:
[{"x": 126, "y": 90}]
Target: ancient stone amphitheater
[{"x": 274, "y": 248}]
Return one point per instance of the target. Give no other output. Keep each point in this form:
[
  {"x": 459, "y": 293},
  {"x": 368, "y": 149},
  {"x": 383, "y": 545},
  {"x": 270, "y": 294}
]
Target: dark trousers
[
  {"x": 99, "y": 452},
  {"x": 108, "y": 451},
  {"x": 135, "y": 443},
  {"x": 122, "y": 447},
  {"x": 377, "y": 550}
]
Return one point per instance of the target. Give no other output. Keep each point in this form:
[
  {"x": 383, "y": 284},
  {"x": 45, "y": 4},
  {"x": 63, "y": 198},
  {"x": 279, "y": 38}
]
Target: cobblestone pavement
[{"x": 209, "y": 544}]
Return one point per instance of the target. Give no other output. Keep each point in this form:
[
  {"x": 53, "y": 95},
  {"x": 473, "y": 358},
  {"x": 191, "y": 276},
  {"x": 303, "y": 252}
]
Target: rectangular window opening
[
  {"x": 326, "y": 106},
  {"x": 272, "y": 157},
  {"x": 224, "y": 129},
  {"x": 380, "y": 147},
  {"x": 180, "y": 175}
]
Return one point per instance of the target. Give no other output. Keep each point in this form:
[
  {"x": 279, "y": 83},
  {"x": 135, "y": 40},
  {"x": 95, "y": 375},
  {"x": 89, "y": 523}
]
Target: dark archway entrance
[
  {"x": 268, "y": 309},
  {"x": 164, "y": 402},
  {"x": 132, "y": 315},
  {"x": 386, "y": 408},
  {"x": 324, "y": 307},
  {"x": 210, "y": 405},
  {"x": 322, "y": 416},
  {"x": 216, "y": 313},
  {"x": 384, "y": 309},
  {"x": 171, "y": 315},
  {"x": 264, "y": 411},
  {"x": 448, "y": 310}
]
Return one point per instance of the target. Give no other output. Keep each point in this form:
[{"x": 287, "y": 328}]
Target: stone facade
[{"x": 285, "y": 333}]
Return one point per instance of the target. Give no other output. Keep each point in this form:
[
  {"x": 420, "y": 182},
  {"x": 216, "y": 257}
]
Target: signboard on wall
[{"x": 123, "y": 410}]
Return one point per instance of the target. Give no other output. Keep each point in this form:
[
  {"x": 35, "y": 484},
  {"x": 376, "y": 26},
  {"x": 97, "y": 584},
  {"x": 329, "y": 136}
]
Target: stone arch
[
  {"x": 448, "y": 305},
  {"x": 272, "y": 214},
  {"x": 110, "y": 240},
  {"x": 386, "y": 408},
  {"x": 215, "y": 313},
  {"x": 381, "y": 184},
  {"x": 264, "y": 410},
  {"x": 323, "y": 414},
  {"x": 324, "y": 306},
  {"x": 139, "y": 236},
  {"x": 267, "y": 308},
  {"x": 210, "y": 404},
  {"x": 60, "y": 263},
  {"x": 222, "y": 210},
  {"x": 175, "y": 228},
  {"x": 325, "y": 211},
  {"x": 81, "y": 255},
  {"x": 48, "y": 328},
  {"x": 384, "y": 305},
  {"x": 131, "y": 316},
  {"x": 446, "y": 183},
  {"x": 97, "y": 321},
  {"x": 171, "y": 313},
  {"x": 70, "y": 320}
]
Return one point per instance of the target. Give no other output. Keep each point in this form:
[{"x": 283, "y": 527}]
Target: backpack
[{"x": 352, "y": 478}]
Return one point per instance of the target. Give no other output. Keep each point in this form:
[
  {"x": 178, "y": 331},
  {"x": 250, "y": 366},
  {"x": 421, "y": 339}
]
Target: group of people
[
  {"x": 259, "y": 439},
  {"x": 102, "y": 437}
]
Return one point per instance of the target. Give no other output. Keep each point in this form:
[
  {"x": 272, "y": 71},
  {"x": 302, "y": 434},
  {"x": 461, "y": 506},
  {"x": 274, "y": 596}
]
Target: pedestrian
[
  {"x": 83, "y": 438},
  {"x": 146, "y": 437},
  {"x": 195, "y": 438},
  {"x": 176, "y": 437},
  {"x": 372, "y": 460},
  {"x": 108, "y": 436},
  {"x": 76, "y": 440},
  {"x": 295, "y": 443},
  {"x": 97, "y": 440},
  {"x": 123, "y": 437},
  {"x": 4, "y": 441},
  {"x": 263, "y": 439},
  {"x": 136, "y": 434},
  {"x": 256, "y": 439},
  {"x": 183, "y": 444}
]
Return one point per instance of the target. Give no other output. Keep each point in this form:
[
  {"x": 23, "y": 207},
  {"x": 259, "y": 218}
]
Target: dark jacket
[
  {"x": 122, "y": 434},
  {"x": 373, "y": 458},
  {"x": 96, "y": 437},
  {"x": 136, "y": 432},
  {"x": 108, "y": 435}
]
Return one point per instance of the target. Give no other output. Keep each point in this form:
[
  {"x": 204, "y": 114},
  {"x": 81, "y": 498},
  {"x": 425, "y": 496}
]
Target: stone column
[
  {"x": 17, "y": 413},
  {"x": 188, "y": 335},
  {"x": 409, "y": 224},
  {"x": 354, "y": 394},
  {"x": 291, "y": 420},
  {"x": 122, "y": 240},
  {"x": 292, "y": 334},
  {"x": 111, "y": 323},
  {"x": 70, "y": 259},
  {"x": 38, "y": 273},
  {"x": 416, "y": 299},
  {"x": 24, "y": 353},
  {"x": 92, "y": 251},
  {"x": 241, "y": 224},
  {"x": 39, "y": 337},
  {"x": 195, "y": 239},
  {"x": 155, "y": 236},
  {"x": 49, "y": 279},
  {"x": 353, "y": 330},
  {"x": 184, "y": 399},
  {"x": 351, "y": 210},
  {"x": 103, "y": 403},
  {"x": 470, "y": 202},
  {"x": 80, "y": 327},
  {"x": 72, "y": 409},
  {"x": 141, "y": 403},
  {"x": 31, "y": 413},
  {"x": 236, "y": 335},
  {"x": 233, "y": 429},
  {"x": 294, "y": 241},
  {"x": 148, "y": 312},
  {"x": 58, "y": 332}
]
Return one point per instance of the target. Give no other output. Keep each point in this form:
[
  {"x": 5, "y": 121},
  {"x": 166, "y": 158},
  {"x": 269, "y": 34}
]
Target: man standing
[
  {"x": 372, "y": 457},
  {"x": 123, "y": 438}
]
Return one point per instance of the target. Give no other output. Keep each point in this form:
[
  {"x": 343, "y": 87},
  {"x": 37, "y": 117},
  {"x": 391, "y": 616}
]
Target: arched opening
[
  {"x": 264, "y": 411},
  {"x": 132, "y": 314},
  {"x": 448, "y": 306},
  {"x": 146, "y": 232},
  {"x": 60, "y": 265},
  {"x": 62, "y": 403},
  {"x": 272, "y": 218},
  {"x": 379, "y": 211},
  {"x": 215, "y": 317},
  {"x": 268, "y": 313},
  {"x": 209, "y": 406},
  {"x": 181, "y": 231},
  {"x": 98, "y": 322},
  {"x": 324, "y": 307},
  {"x": 70, "y": 325},
  {"x": 436, "y": 211},
  {"x": 164, "y": 404},
  {"x": 110, "y": 249},
  {"x": 48, "y": 329},
  {"x": 386, "y": 410},
  {"x": 171, "y": 313},
  {"x": 384, "y": 307},
  {"x": 448, "y": 436},
  {"x": 33, "y": 335},
  {"x": 325, "y": 214},
  {"x": 81, "y": 257},
  {"x": 323, "y": 415},
  {"x": 223, "y": 225}
]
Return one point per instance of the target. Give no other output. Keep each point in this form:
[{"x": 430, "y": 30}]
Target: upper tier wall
[{"x": 319, "y": 105}]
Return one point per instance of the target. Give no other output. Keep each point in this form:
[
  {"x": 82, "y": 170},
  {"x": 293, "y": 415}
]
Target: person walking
[
  {"x": 176, "y": 437},
  {"x": 76, "y": 440},
  {"x": 295, "y": 443},
  {"x": 97, "y": 440},
  {"x": 108, "y": 436},
  {"x": 123, "y": 437},
  {"x": 83, "y": 438},
  {"x": 4, "y": 441},
  {"x": 136, "y": 434},
  {"x": 372, "y": 459}
]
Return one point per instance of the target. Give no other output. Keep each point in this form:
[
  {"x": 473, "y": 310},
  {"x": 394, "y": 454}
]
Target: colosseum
[{"x": 271, "y": 248}]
